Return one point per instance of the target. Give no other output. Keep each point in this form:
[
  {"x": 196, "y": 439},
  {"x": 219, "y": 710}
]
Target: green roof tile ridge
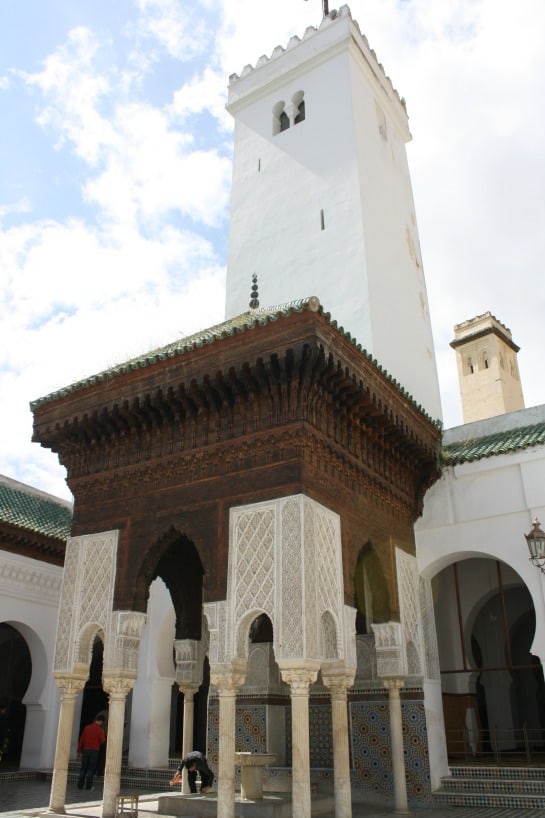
[
  {"x": 477, "y": 448},
  {"x": 33, "y": 511}
]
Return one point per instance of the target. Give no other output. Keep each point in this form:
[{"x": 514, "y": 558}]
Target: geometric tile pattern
[
  {"x": 369, "y": 724},
  {"x": 320, "y": 736},
  {"x": 250, "y": 729},
  {"x": 370, "y": 744}
]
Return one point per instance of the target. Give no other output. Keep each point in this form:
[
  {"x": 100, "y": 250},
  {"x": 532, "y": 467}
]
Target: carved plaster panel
[
  {"x": 122, "y": 646},
  {"x": 189, "y": 661},
  {"x": 390, "y": 649},
  {"x": 409, "y": 611},
  {"x": 285, "y": 561},
  {"x": 29, "y": 579},
  {"x": 215, "y": 614},
  {"x": 429, "y": 633},
  {"x": 86, "y": 597},
  {"x": 293, "y": 611}
]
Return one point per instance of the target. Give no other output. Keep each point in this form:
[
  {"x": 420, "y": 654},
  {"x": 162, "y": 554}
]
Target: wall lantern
[{"x": 536, "y": 545}]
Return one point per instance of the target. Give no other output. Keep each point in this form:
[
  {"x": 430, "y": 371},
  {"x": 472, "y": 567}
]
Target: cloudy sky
[{"x": 115, "y": 165}]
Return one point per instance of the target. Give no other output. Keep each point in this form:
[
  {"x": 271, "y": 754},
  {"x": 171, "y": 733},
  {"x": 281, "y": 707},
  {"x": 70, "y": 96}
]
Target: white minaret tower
[{"x": 322, "y": 202}]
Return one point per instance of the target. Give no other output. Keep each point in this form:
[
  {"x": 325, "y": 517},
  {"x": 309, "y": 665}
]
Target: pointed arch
[
  {"x": 175, "y": 559},
  {"x": 372, "y": 599}
]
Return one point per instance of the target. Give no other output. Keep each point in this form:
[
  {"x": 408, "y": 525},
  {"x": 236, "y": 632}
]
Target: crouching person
[{"x": 195, "y": 762}]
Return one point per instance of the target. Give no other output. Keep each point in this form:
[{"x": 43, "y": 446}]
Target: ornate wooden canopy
[{"x": 272, "y": 403}]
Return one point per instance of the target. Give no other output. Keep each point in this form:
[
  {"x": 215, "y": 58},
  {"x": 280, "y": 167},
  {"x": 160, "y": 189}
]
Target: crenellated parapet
[{"x": 338, "y": 25}]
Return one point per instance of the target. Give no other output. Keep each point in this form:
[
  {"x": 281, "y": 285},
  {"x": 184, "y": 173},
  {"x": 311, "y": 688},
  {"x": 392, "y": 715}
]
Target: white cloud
[
  {"x": 74, "y": 90},
  {"x": 175, "y": 26},
  {"x": 156, "y": 170}
]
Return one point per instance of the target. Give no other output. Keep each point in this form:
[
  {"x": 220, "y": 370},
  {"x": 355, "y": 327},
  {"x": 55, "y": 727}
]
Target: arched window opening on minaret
[
  {"x": 470, "y": 368},
  {"x": 484, "y": 357},
  {"x": 286, "y": 115},
  {"x": 299, "y": 106},
  {"x": 281, "y": 120}
]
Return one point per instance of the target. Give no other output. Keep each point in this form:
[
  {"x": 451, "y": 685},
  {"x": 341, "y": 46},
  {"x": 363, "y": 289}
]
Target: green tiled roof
[
  {"x": 500, "y": 443},
  {"x": 239, "y": 324},
  {"x": 34, "y": 512}
]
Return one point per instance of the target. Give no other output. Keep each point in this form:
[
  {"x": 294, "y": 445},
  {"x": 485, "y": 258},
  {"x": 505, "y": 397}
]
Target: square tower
[
  {"x": 488, "y": 371},
  {"x": 321, "y": 198}
]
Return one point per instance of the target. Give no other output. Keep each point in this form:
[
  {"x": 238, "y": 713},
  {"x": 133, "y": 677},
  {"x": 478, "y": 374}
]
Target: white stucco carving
[
  {"x": 390, "y": 649},
  {"x": 409, "y": 610},
  {"x": 285, "y": 561},
  {"x": 87, "y": 596},
  {"x": 30, "y": 579}
]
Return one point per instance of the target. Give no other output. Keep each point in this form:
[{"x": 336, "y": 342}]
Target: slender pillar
[
  {"x": 117, "y": 688},
  {"x": 338, "y": 684},
  {"x": 69, "y": 686},
  {"x": 227, "y": 682},
  {"x": 393, "y": 687},
  {"x": 187, "y": 729},
  {"x": 299, "y": 681}
]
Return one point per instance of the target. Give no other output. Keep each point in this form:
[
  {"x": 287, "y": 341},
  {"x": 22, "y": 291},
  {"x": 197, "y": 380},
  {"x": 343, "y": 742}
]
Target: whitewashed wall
[{"x": 29, "y": 600}]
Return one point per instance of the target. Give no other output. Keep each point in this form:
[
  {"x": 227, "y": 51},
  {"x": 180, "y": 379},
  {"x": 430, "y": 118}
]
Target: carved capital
[
  {"x": 338, "y": 682},
  {"x": 117, "y": 687},
  {"x": 69, "y": 686},
  {"x": 393, "y": 686},
  {"x": 299, "y": 680},
  {"x": 187, "y": 690},
  {"x": 227, "y": 678}
]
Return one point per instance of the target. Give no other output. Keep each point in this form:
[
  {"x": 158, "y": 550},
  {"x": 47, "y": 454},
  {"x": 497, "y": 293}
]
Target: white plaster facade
[
  {"x": 483, "y": 509},
  {"x": 325, "y": 207},
  {"x": 475, "y": 515},
  {"x": 29, "y": 602}
]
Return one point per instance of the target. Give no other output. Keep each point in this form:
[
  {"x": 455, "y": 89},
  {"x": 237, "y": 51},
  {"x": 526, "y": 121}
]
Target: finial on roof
[
  {"x": 254, "y": 297},
  {"x": 325, "y": 8}
]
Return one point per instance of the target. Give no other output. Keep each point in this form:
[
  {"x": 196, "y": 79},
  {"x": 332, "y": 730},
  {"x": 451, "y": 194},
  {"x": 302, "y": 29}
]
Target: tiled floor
[{"x": 22, "y": 799}]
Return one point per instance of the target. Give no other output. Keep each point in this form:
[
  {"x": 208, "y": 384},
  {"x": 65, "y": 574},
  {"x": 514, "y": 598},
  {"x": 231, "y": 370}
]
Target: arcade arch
[
  {"x": 493, "y": 688},
  {"x": 169, "y": 587},
  {"x": 15, "y": 677}
]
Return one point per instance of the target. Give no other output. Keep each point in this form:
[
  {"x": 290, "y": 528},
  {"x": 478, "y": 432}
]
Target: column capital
[
  {"x": 117, "y": 687},
  {"x": 227, "y": 678},
  {"x": 187, "y": 689},
  {"x": 299, "y": 679},
  {"x": 394, "y": 684},
  {"x": 338, "y": 681},
  {"x": 69, "y": 686}
]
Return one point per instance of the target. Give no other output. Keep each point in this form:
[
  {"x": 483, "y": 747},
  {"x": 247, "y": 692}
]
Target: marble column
[
  {"x": 117, "y": 688},
  {"x": 227, "y": 682},
  {"x": 69, "y": 686},
  {"x": 393, "y": 687},
  {"x": 338, "y": 684},
  {"x": 299, "y": 680},
  {"x": 187, "y": 729}
]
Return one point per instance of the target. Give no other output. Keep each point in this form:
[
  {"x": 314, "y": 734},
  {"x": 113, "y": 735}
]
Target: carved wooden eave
[
  {"x": 289, "y": 388},
  {"x": 31, "y": 544}
]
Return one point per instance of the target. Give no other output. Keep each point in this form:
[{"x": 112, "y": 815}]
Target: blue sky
[{"x": 115, "y": 164}]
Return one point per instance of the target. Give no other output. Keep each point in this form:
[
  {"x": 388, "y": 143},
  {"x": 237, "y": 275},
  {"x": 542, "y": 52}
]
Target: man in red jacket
[{"x": 89, "y": 745}]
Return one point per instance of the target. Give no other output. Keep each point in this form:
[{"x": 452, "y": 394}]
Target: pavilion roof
[{"x": 245, "y": 322}]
